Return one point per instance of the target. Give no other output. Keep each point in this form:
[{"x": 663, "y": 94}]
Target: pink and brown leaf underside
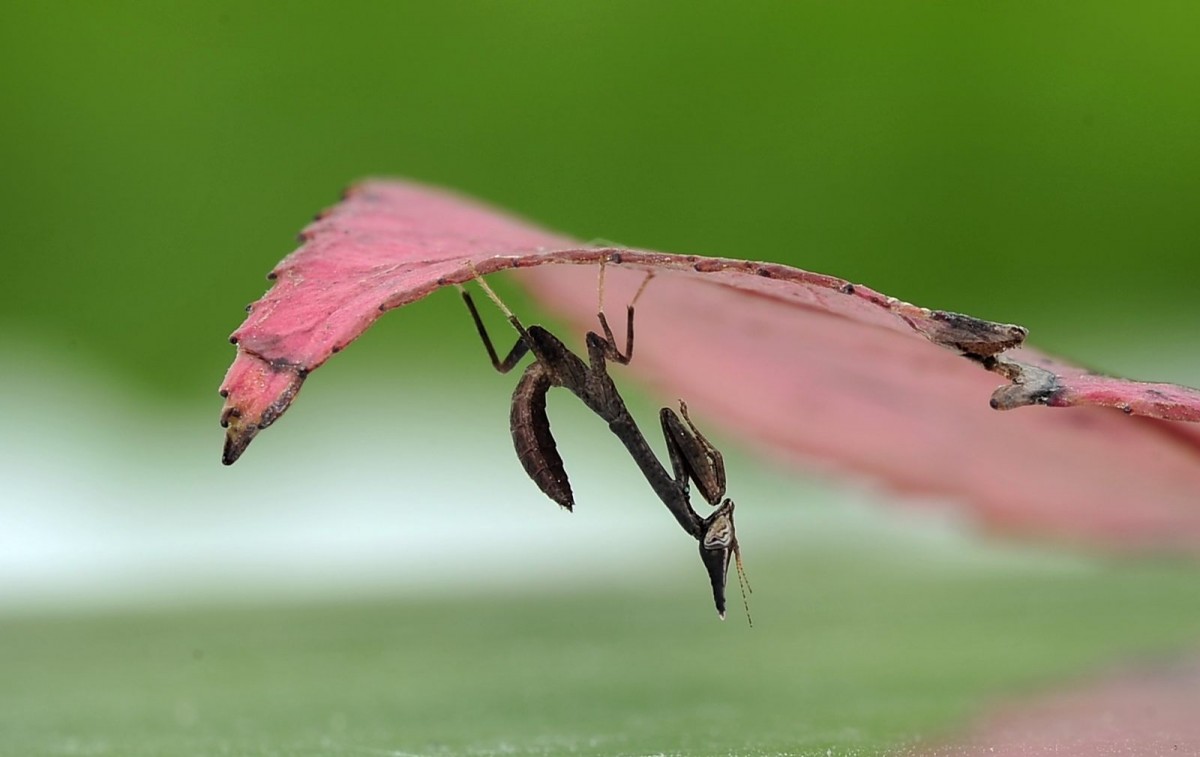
[{"x": 805, "y": 367}]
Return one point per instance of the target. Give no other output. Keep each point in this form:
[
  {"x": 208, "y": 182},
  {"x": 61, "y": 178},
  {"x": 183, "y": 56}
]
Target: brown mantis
[{"x": 692, "y": 456}]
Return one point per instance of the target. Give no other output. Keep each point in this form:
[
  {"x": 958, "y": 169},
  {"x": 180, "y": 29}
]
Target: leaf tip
[
  {"x": 237, "y": 438},
  {"x": 256, "y": 393}
]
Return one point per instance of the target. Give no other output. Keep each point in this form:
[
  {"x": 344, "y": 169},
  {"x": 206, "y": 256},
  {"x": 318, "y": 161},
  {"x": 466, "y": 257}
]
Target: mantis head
[{"x": 719, "y": 544}]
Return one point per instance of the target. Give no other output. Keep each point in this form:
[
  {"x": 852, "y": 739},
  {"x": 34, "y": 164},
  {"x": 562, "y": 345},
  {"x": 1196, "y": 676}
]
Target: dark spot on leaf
[
  {"x": 233, "y": 340},
  {"x": 336, "y": 349},
  {"x": 764, "y": 272},
  {"x": 972, "y": 336},
  {"x": 283, "y": 365},
  {"x": 272, "y": 276},
  {"x": 224, "y": 393},
  {"x": 250, "y": 308},
  {"x": 1030, "y": 385},
  {"x": 616, "y": 257},
  {"x": 846, "y": 288}
]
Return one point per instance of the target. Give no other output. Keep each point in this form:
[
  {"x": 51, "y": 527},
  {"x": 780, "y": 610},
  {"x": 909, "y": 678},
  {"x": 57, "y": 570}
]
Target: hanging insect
[{"x": 692, "y": 455}]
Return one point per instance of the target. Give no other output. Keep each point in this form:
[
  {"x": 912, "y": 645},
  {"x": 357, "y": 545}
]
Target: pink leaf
[
  {"x": 1147, "y": 710},
  {"x": 805, "y": 366}
]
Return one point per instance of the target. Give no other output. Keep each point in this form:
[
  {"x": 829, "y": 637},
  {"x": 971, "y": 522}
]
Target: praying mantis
[{"x": 693, "y": 458}]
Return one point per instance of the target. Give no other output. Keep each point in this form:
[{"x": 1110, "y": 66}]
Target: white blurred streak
[{"x": 396, "y": 486}]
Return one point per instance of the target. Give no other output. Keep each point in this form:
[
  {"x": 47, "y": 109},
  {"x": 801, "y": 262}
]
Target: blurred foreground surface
[
  {"x": 854, "y": 650},
  {"x": 352, "y": 590}
]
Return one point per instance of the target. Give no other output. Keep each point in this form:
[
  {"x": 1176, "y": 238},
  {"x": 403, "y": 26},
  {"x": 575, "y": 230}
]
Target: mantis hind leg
[{"x": 515, "y": 354}]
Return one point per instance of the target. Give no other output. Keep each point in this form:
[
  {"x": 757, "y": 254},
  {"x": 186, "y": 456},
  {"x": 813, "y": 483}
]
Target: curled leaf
[{"x": 805, "y": 366}]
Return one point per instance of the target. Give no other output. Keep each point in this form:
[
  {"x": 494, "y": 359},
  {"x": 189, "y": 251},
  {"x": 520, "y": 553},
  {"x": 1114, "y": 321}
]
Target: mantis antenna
[{"x": 488, "y": 291}]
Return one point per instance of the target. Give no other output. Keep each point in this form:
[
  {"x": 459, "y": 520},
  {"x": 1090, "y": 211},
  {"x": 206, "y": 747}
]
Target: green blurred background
[
  {"x": 1030, "y": 163},
  {"x": 1035, "y": 165}
]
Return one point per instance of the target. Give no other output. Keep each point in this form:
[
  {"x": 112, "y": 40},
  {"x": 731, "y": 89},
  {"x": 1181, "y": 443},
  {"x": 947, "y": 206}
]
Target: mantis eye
[{"x": 720, "y": 532}]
